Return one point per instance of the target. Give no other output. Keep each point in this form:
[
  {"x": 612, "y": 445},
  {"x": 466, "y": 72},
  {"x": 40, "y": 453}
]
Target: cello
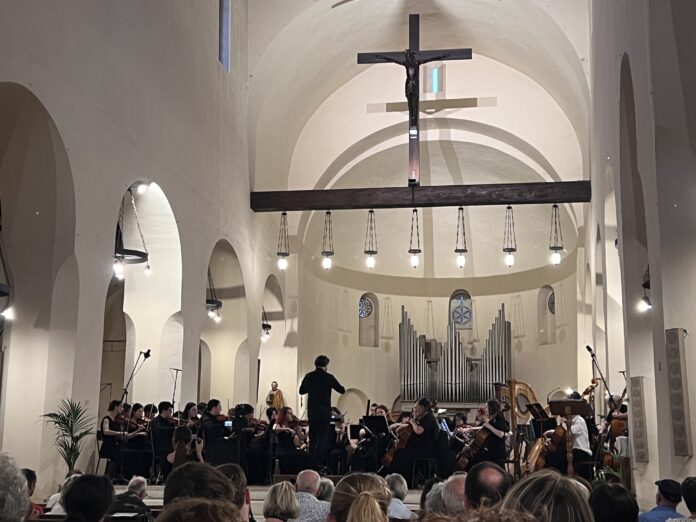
[
  {"x": 403, "y": 435},
  {"x": 477, "y": 444}
]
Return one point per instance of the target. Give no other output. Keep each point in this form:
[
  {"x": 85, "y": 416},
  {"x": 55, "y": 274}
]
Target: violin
[{"x": 296, "y": 422}]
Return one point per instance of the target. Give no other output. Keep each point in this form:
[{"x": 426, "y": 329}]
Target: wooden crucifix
[{"x": 411, "y": 59}]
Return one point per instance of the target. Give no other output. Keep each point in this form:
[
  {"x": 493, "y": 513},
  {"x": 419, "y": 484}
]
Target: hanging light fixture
[
  {"x": 212, "y": 303},
  {"x": 460, "y": 244},
  {"x": 414, "y": 241},
  {"x": 556, "y": 237},
  {"x": 265, "y": 326},
  {"x": 509, "y": 239},
  {"x": 644, "y": 303},
  {"x": 128, "y": 256},
  {"x": 283, "y": 243},
  {"x": 370, "y": 240},
  {"x": 327, "y": 249}
]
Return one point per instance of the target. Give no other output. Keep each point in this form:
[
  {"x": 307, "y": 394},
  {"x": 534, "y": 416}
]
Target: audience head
[
  {"x": 689, "y": 493},
  {"x": 30, "y": 476},
  {"x": 138, "y": 485},
  {"x": 235, "y": 474},
  {"x": 200, "y": 509},
  {"x": 69, "y": 479},
  {"x": 433, "y": 500},
  {"x": 87, "y": 498},
  {"x": 182, "y": 442},
  {"x": 454, "y": 494},
  {"x": 321, "y": 361},
  {"x": 308, "y": 481},
  {"x": 360, "y": 497},
  {"x": 481, "y": 515},
  {"x": 280, "y": 502},
  {"x": 326, "y": 490},
  {"x": 115, "y": 406},
  {"x": 426, "y": 489},
  {"x": 547, "y": 493},
  {"x": 613, "y": 503},
  {"x": 486, "y": 484},
  {"x": 14, "y": 501},
  {"x": 669, "y": 493},
  {"x": 197, "y": 480},
  {"x": 397, "y": 485}
]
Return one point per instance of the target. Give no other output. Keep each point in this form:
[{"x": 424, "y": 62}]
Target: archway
[
  {"x": 546, "y": 315},
  {"x": 38, "y": 229},
  {"x": 226, "y": 336},
  {"x": 277, "y": 360}
]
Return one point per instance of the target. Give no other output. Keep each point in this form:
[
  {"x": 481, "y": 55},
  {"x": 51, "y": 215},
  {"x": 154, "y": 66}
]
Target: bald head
[
  {"x": 453, "y": 495},
  {"x": 308, "y": 481},
  {"x": 487, "y": 484}
]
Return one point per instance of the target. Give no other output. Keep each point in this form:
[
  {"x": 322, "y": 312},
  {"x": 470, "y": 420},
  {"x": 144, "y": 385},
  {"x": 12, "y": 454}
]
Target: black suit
[{"x": 318, "y": 385}]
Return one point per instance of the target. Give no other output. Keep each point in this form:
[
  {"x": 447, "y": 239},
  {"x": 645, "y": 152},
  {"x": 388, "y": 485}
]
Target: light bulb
[
  {"x": 326, "y": 263},
  {"x": 119, "y": 269},
  {"x": 415, "y": 260},
  {"x": 148, "y": 270},
  {"x": 217, "y": 318},
  {"x": 568, "y": 391},
  {"x": 282, "y": 263},
  {"x": 8, "y": 313},
  {"x": 211, "y": 314},
  {"x": 556, "y": 258},
  {"x": 509, "y": 260},
  {"x": 461, "y": 260},
  {"x": 644, "y": 304},
  {"x": 370, "y": 262},
  {"x": 142, "y": 188}
]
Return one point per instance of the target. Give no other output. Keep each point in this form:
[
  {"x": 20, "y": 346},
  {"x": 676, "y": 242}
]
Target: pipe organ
[{"x": 444, "y": 372}]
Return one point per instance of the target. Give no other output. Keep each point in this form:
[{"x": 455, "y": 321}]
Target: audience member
[
  {"x": 241, "y": 497},
  {"x": 482, "y": 515},
  {"x": 280, "y": 504},
  {"x": 14, "y": 501},
  {"x": 131, "y": 500},
  {"x": 399, "y": 488},
  {"x": 689, "y": 493},
  {"x": 454, "y": 494},
  {"x": 311, "y": 509},
  {"x": 426, "y": 489},
  {"x": 87, "y": 498},
  {"x": 360, "y": 497},
  {"x": 326, "y": 490},
  {"x": 34, "y": 511},
  {"x": 613, "y": 503},
  {"x": 433, "y": 501},
  {"x": 549, "y": 496},
  {"x": 486, "y": 484},
  {"x": 668, "y": 496},
  {"x": 201, "y": 509},
  {"x": 197, "y": 480},
  {"x": 53, "y": 504}
]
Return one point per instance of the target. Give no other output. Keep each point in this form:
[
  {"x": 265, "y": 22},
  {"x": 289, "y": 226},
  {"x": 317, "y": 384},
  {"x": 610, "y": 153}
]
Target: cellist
[
  {"x": 423, "y": 441},
  {"x": 494, "y": 449}
]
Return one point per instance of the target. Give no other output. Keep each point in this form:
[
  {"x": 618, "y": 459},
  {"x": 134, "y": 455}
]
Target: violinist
[
  {"x": 619, "y": 411},
  {"x": 370, "y": 448},
  {"x": 139, "y": 447},
  {"x": 213, "y": 423},
  {"x": 189, "y": 417},
  {"x": 338, "y": 442},
  {"x": 162, "y": 430},
  {"x": 494, "y": 449},
  {"x": 292, "y": 459},
  {"x": 257, "y": 453},
  {"x": 423, "y": 441},
  {"x": 114, "y": 435}
]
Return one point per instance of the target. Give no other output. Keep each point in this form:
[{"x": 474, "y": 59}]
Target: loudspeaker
[
  {"x": 678, "y": 392},
  {"x": 639, "y": 431}
]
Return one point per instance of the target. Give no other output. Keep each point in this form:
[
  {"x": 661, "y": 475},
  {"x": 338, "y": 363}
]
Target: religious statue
[{"x": 275, "y": 399}]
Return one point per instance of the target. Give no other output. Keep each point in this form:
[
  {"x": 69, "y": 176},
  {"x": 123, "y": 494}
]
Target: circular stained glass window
[{"x": 365, "y": 307}]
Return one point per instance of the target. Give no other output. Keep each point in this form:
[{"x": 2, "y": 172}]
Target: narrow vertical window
[{"x": 225, "y": 33}]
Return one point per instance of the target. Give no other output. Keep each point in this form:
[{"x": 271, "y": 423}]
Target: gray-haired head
[
  {"x": 326, "y": 490},
  {"x": 453, "y": 495},
  {"x": 137, "y": 484},
  {"x": 397, "y": 484},
  {"x": 433, "y": 502},
  {"x": 14, "y": 500}
]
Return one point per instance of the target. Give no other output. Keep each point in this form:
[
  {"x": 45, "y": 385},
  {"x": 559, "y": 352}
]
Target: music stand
[
  {"x": 569, "y": 409},
  {"x": 376, "y": 424}
]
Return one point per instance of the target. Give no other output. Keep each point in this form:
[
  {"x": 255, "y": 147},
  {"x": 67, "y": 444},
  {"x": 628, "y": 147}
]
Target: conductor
[{"x": 318, "y": 385}]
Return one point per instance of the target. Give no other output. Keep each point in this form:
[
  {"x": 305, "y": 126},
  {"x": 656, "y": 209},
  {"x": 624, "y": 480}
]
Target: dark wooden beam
[{"x": 431, "y": 196}]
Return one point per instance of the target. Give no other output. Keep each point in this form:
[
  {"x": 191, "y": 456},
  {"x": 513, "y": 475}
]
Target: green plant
[{"x": 72, "y": 424}]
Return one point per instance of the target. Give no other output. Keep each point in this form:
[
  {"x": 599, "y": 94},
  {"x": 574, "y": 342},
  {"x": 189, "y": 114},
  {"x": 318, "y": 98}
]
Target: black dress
[
  {"x": 292, "y": 460},
  {"x": 495, "y": 449},
  {"x": 421, "y": 446}
]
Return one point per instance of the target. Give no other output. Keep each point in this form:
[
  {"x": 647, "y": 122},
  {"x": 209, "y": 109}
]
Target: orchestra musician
[
  {"x": 292, "y": 458},
  {"x": 139, "y": 446},
  {"x": 370, "y": 448},
  {"x": 582, "y": 453},
  {"x": 189, "y": 417},
  {"x": 619, "y": 411},
  {"x": 494, "y": 449},
  {"x": 338, "y": 443},
  {"x": 213, "y": 423},
  {"x": 318, "y": 386},
  {"x": 162, "y": 428},
  {"x": 259, "y": 447},
  {"x": 423, "y": 441},
  {"x": 114, "y": 432}
]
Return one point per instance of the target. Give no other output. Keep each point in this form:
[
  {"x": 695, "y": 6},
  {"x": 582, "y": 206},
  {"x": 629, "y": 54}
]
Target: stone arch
[
  {"x": 242, "y": 373},
  {"x": 170, "y": 360},
  {"x": 226, "y": 337},
  {"x": 353, "y": 404},
  {"x": 368, "y": 320},
  {"x": 37, "y": 191},
  {"x": 277, "y": 358},
  {"x": 546, "y": 315}
]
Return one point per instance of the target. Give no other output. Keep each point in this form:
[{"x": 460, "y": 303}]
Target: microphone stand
[
  {"x": 124, "y": 396},
  {"x": 601, "y": 376},
  {"x": 176, "y": 371}
]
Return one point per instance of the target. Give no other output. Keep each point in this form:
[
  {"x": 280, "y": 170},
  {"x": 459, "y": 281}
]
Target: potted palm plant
[{"x": 72, "y": 424}]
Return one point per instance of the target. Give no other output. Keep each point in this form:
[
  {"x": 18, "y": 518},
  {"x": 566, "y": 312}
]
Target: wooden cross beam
[
  {"x": 416, "y": 196},
  {"x": 411, "y": 59}
]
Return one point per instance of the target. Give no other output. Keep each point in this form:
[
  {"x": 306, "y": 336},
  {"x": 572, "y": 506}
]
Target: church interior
[{"x": 181, "y": 215}]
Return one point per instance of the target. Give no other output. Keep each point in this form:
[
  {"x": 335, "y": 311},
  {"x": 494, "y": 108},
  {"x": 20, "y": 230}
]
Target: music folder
[{"x": 377, "y": 424}]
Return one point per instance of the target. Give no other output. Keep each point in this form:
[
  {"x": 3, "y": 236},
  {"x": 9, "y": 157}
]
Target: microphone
[
  {"x": 589, "y": 349},
  {"x": 146, "y": 354}
]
